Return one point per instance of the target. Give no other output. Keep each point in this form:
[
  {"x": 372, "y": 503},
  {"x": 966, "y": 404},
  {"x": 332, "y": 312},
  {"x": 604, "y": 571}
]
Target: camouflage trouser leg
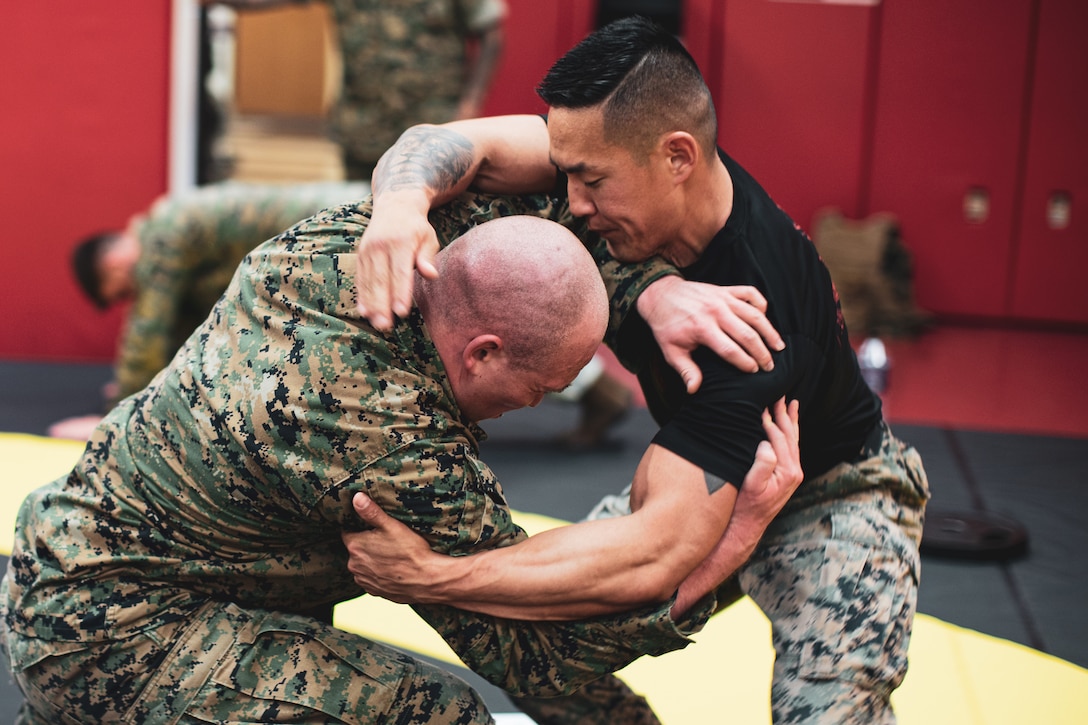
[
  {"x": 607, "y": 701},
  {"x": 838, "y": 578},
  {"x": 232, "y": 665}
]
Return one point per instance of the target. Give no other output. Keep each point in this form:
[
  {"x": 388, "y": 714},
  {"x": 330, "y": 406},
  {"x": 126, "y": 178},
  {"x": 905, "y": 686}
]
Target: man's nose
[{"x": 580, "y": 204}]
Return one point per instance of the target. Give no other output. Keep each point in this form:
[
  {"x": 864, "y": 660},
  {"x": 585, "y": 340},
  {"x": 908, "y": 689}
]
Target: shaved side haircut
[{"x": 646, "y": 81}]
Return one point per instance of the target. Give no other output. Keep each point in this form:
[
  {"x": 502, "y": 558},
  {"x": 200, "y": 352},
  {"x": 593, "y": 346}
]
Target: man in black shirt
[{"x": 632, "y": 129}]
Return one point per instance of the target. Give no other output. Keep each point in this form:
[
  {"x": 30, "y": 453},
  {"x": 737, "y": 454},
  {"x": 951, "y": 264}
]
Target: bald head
[{"x": 526, "y": 280}]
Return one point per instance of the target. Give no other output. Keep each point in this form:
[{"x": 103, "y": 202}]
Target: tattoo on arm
[
  {"x": 713, "y": 483},
  {"x": 433, "y": 158}
]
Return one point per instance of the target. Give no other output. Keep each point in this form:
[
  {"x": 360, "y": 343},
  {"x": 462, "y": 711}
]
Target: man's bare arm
[
  {"x": 595, "y": 567},
  {"x": 428, "y": 166},
  {"x": 770, "y": 483},
  {"x": 571, "y": 572}
]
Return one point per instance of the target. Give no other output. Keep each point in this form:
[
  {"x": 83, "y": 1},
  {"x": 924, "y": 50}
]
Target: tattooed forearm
[{"x": 429, "y": 157}]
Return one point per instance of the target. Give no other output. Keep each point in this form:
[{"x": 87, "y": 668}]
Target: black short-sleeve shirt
[{"x": 718, "y": 428}]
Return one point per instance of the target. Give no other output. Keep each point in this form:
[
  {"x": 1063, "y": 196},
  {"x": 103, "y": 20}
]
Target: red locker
[
  {"x": 793, "y": 97},
  {"x": 537, "y": 33},
  {"x": 948, "y": 130},
  {"x": 702, "y": 30},
  {"x": 1052, "y": 244},
  {"x": 85, "y": 97}
]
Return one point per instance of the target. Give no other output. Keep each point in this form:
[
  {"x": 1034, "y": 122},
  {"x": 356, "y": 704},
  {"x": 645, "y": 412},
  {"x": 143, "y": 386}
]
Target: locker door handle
[
  {"x": 976, "y": 205},
  {"x": 1059, "y": 209}
]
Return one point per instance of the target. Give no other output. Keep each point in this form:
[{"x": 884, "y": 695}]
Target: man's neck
[{"x": 710, "y": 202}]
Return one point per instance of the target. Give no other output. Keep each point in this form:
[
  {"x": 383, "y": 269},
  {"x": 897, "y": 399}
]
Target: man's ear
[
  {"x": 480, "y": 351},
  {"x": 682, "y": 152}
]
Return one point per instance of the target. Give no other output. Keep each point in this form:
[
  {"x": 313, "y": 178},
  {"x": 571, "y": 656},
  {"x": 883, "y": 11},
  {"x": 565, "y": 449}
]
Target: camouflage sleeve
[
  {"x": 624, "y": 282},
  {"x": 548, "y": 659},
  {"x": 453, "y": 499},
  {"x": 148, "y": 340}
]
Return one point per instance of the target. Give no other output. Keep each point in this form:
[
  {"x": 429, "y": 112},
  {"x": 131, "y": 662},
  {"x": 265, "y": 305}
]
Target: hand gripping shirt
[
  {"x": 231, "y": 475},
  {"x": 190, "y": 245},
  {"x": 718, "y": 427}
]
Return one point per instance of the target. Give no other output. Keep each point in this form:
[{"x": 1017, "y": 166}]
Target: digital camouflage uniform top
[
  {"x": 230, "y": 477},
  {"x": 190, "y": 245},
  {"x": 404, "y": 63}
]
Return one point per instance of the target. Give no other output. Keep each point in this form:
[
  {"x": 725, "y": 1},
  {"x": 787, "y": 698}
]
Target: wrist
[
  {"x": 401, "y": 199},
  {"x": 445, "y": 579},
  {"x": 650, "y": 296}
]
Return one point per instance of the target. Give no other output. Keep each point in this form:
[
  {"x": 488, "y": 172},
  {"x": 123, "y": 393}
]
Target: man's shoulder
[{"x": 473, "y": 208}]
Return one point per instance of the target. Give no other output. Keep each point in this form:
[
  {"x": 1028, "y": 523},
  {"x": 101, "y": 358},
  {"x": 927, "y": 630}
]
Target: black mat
[{"x": 1040, "y": 482}]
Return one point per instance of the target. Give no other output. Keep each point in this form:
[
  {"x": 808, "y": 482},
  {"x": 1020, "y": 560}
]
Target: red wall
[
  {"x": 891, "y": 107},
  {"x": 537, "y": 33},
  {"x": 1050, "y": 259},
  {"x": 948, "y": 118},
  {"x": 83, "y": 145},
  {"x": 792, "y": 96}
]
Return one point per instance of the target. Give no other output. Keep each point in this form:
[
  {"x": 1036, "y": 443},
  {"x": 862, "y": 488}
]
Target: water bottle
[{"x": 874, "y": 364}]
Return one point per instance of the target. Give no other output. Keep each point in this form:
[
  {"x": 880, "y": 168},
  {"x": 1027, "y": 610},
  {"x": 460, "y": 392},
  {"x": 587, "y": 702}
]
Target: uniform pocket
[
  {"x": 285, "y": 669},
  {"x": 859, "y": 618}
]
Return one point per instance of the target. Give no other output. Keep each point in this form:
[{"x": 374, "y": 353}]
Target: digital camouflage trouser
[
  {"x": 225, "y": 664},
  {"x": 837, "y": 574}
]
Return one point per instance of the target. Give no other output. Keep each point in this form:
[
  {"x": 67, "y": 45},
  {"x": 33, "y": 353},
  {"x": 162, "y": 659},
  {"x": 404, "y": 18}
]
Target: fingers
[
  {"x": 369, "y": 512},
  {"x": 680, "y": 360},
  {"x": 762, "y": 333},
  {"x": 750, "y": 295},
  {"x": 760, "y": 474},
  {"x": 766, "y": 458},
  {"x": 425, "y": 261},
  {"x": 736, "y": 354},
  {"x": 783, "y": 434},
  {"x": 384, "y": 278},
  {"x": 386, "y": 261},
  {"x": 752, "y": 332},
  {"x": 372, "y": 285},
  {"x": 401, "y": 277}
]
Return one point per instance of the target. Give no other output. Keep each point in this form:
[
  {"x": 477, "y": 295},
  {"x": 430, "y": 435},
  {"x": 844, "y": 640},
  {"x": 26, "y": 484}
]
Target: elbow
[{"x": 657, "y": 579}]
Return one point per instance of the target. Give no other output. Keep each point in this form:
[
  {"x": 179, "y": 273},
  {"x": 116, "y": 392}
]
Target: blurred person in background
[{"x": 174, "y": 261}]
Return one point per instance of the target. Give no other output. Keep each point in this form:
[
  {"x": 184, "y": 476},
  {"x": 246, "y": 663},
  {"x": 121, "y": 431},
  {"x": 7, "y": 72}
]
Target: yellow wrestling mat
[{"x": 957, "y": 676}]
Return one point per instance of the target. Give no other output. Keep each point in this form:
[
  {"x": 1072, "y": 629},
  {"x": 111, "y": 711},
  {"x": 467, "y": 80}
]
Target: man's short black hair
[
  {"x": 644, "y": 80},
  {"x": 590, "y": 71},
  {"x": 85, "y": 259}
]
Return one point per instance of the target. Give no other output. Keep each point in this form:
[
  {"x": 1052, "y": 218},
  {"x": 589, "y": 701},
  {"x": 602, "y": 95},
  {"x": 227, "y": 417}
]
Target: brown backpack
[{"x": 872, "y": 272}]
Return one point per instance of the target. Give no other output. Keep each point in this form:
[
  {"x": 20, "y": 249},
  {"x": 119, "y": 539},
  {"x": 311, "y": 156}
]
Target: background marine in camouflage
[
  {"x": 405, "y": 62},
  {"x": 175, "y": 260},
  {"x": 408, "y": 62}
]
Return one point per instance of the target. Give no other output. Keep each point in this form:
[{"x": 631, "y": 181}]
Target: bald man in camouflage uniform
[{"x": 170, "y": 577}]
